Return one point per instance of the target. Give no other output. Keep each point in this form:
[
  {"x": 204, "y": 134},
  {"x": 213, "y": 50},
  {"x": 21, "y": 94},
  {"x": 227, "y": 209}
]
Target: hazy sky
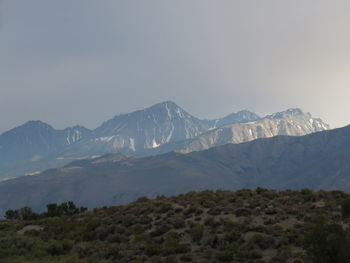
[{"x": 83, "y": 61}]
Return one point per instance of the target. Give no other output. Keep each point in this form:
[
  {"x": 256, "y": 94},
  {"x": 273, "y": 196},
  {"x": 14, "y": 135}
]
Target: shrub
[
  {"x": 54, "y": 248},
  {"x": 138, "y": 229},
  {"x": 261, "y": 241},
  {"x": 328, "y": 243},
  {"x": 113, "y": 252},
  {"x": 153, "y": 249},
  {"x": 178, "y": 223},
  {"x": 196, "y": 232},
  {"x": 226, "y": 255},
  {"x": 160, "y": 230},
  {"x": 345, "y": 207},
  {"x": 93, "y": 224},
  {"x": 67, "y": 208}
]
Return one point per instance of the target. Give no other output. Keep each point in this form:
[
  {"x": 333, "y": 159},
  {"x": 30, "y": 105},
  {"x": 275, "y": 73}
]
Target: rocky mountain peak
[
  {"x": 242, "y": 116},
  {"x": 287, "y": 113},
  {"x": 169, "y": 109},
  {"x": 148, "y": 128},
  {"x": 170, "y": 104},
  {"x": 35, "y": 125},
  {"x": 160, "y": 128}
]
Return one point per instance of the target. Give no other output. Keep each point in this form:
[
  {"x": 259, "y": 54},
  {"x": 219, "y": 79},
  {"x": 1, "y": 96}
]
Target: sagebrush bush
[{"x": 259, "y": 225}]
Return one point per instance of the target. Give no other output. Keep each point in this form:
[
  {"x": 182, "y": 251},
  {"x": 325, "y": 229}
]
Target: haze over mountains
[
  {"x": 317, "y": 161},
  {"x": 36, "y": 146}
]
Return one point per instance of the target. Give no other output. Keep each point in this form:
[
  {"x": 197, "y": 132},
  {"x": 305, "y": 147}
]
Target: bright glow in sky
[{"x": 73, "y": 62}]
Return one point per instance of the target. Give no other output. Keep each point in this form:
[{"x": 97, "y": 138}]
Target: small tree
[
  {"x": 67, "y": 208},
  {"x": 26, "y": 213},
  {"x": 12, "y": 214},
  {"x": 52, "y": 210}
]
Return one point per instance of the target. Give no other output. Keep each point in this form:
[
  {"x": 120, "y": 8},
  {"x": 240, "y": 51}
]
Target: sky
[{"x": 82, "y": 62}]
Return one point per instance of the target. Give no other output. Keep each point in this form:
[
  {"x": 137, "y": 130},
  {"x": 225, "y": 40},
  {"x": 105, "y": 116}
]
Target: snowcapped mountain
[
  {"x": 292, "y": 122},
  {"x": 160, "y": 128},
  {"x": 316, "y": 161},
  {"x": 239, "y": 117},
  {"x": 149, "y": 128},
  {"x": 306, "y": 123},
  {"x": 166, "y": 127},
  {"x": 74, "y": 134}
]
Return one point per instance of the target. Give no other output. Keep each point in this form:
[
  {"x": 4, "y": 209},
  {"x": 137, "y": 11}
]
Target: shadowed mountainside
[{"x": 317, "y": 161}]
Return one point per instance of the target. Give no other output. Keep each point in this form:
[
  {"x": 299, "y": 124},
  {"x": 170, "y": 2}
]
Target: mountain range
[
  {"x": 37, "y": 146},
  {"x": 318, "y": 161}
]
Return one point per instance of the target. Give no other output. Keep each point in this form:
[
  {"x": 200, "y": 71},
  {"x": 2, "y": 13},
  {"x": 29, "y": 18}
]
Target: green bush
[
  {"x": 153, "y": 249},
  {"x": 196, "y": 232},
  {"x": 114, "y": 252},
  {"x": 55, "y": 248},
  {"x": 226, "y": 255},
  {"x": 328, "y": 243}
]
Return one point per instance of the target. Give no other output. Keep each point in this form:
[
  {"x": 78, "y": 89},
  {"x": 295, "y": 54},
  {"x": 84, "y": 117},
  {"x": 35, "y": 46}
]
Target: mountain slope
[
  {"x": 166, "y": 127},
  {"x": 36, "y": 146},
  {"x": 239, "y": 117},
  {"x": 293, "y": 122},
  {"x": 319, "y": 160},
  {"x": 144, "y": 129},
  {"x": 33, "y": 143}
]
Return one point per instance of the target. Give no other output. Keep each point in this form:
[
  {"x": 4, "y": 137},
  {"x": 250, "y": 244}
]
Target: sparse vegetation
[{"x": 210, "y": 226}]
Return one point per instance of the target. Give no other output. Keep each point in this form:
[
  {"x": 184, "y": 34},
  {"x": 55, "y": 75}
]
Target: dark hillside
[{"x": 243, "y": 226}]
